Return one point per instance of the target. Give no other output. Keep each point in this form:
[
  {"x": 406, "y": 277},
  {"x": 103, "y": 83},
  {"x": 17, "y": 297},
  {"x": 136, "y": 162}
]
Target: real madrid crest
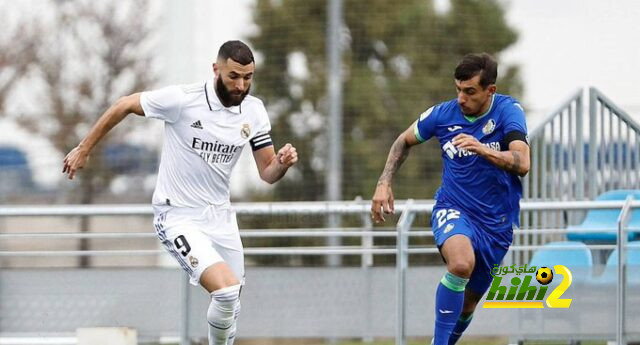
[
  {"x": 489, "y": 127},
  {"x": 245, "y": 131},
  {"x": 193, "y": 261}
]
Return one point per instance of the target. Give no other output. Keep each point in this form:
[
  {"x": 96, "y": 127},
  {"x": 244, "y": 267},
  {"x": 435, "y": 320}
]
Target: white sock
[
  {"x": 222, "y": 314},
  {"x": 232, "y": 330}
]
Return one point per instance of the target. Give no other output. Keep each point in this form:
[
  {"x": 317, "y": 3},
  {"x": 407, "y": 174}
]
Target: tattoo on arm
[
  {"x": 515, "y": 166},
  {"x": 398, "y": 153}
]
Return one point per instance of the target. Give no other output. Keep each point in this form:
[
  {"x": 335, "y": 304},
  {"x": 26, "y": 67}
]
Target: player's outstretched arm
[
  {"x": 516, "y": 160},
  {"x": 382, "y": 200},
  {"x": 77, "y": 157},
  {"x": 271, "y": 165}
]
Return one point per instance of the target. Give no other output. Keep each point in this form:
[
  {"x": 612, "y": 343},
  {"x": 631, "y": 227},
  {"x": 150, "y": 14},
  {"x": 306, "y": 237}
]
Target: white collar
[{"x": 214, "y": 102}]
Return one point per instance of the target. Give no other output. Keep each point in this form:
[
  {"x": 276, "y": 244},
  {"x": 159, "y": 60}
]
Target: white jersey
[{"x": 203, "y": 141}]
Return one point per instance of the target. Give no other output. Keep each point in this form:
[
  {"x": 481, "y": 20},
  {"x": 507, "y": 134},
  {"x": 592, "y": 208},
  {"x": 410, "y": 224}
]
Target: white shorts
[{"x": 200, "y": 237}]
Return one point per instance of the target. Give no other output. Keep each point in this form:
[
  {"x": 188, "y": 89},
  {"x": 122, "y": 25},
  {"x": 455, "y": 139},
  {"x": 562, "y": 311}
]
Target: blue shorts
[{"x": 489, "y": 245}]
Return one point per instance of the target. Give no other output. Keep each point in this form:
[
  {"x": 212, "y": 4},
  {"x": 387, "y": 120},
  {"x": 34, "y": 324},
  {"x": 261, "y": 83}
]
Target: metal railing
[
  {"x": 577, "y": 155},
  {"x": 403, "y": 249},
  {"x": 623, "y": 223},
  {"x": 614, "y": 144}
]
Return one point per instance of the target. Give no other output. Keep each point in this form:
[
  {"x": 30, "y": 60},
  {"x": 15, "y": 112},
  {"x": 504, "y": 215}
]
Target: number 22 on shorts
[{"x": 445, "y": 215}]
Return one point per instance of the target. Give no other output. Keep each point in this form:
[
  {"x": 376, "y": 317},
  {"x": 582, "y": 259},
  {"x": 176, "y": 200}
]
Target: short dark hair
[
  {"x": 237, "y": 51},
  {"x": 473, "y": 64}
]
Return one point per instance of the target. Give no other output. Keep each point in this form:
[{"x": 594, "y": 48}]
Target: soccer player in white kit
[{"x": 206, "y": 126}]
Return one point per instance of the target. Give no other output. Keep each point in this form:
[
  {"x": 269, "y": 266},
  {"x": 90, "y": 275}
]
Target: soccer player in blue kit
[{"x": 483, "y": 136}]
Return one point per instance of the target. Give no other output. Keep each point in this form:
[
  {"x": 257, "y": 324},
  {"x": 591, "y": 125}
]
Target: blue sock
[
  {"x": 461, "y": 325},
  {"x": 449, "y": 300}
]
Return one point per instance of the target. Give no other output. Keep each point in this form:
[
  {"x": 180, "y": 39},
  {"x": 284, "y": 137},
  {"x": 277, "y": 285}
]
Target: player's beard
[{"x": 227, "y": 97}]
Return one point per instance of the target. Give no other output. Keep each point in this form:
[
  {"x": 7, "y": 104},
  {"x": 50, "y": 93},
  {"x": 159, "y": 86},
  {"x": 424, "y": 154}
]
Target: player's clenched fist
[
  {"x": 75, "y": 160},
  {"x": 287, "y": 155},
  {"x": 468, "y": 142}
]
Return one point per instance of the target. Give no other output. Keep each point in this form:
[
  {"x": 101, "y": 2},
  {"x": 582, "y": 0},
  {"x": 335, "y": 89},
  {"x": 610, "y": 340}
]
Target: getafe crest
[
  {"x": 245, "y": 131},
  {"x": 489, "y": 127}
]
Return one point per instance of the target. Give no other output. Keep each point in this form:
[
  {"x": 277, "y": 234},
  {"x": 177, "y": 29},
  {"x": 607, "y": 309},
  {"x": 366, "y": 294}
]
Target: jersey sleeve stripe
[
  {"x": 416, "y": 131},
  {"x": 260, "y": 141},
  {"x": 260, "y": 137},
  {"x": 262, "y": 145}
]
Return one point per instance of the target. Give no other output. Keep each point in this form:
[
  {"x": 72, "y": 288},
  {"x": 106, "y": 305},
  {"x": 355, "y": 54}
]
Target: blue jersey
[{"x": 471, "y": 183}]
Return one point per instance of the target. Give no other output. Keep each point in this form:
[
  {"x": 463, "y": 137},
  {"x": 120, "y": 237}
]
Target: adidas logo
[{"x": 197, "y": 125}]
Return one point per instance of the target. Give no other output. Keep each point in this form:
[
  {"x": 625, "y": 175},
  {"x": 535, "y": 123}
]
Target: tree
[
  {"x": 85, "y": 55},
  {"x": 17, "y": 51},
  {"x": 398, "y": 60}
]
